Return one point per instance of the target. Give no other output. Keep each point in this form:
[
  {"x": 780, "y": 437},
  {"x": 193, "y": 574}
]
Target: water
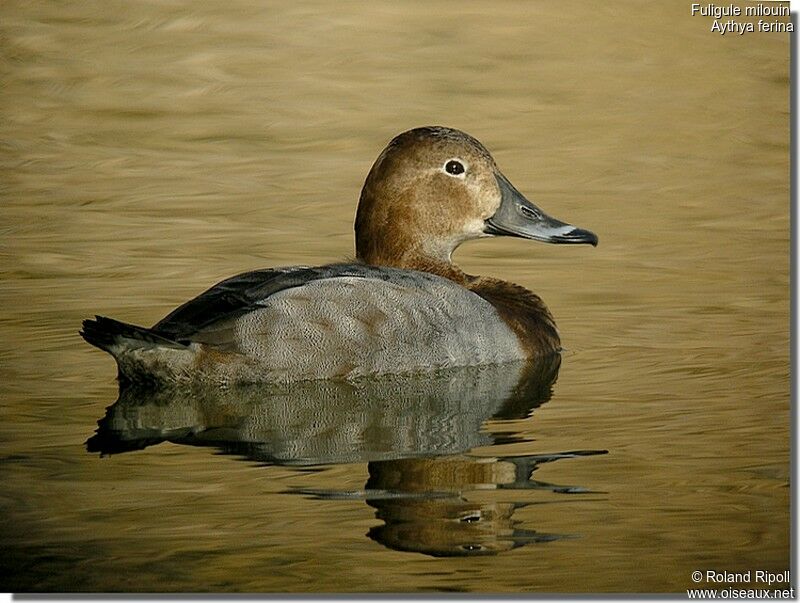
[{"x": 151, "y": 150}]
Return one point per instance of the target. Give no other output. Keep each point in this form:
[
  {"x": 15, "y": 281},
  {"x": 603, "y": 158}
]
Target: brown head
[{"x": 433, "y": 188}]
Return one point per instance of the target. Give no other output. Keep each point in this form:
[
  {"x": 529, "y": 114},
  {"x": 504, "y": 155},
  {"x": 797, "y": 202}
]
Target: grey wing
[
  {"x": 227, "y": 299},
  {"x": 243, "y": 293}
]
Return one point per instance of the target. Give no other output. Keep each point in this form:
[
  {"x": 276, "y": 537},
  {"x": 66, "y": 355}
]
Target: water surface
[{"x": 152, "y": 149}]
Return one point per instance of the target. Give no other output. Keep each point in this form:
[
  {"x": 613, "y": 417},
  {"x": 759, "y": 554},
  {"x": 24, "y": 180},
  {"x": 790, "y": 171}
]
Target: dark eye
[{"x": 454, "y": 167}]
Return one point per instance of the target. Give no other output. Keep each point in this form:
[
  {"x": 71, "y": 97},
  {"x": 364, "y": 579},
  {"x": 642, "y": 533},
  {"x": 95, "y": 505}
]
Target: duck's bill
[{"x": 518, "y": 217}]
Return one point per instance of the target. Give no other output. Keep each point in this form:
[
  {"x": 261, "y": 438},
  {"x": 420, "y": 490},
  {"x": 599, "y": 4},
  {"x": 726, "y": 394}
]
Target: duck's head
[{"x": 433, "y": 188}]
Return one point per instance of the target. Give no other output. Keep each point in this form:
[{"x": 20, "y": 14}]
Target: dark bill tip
[{"x": 577, "y": 236}]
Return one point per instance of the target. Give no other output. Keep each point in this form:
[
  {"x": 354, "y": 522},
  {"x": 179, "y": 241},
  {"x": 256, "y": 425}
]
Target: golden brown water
[{"x": 150, "y": 149}]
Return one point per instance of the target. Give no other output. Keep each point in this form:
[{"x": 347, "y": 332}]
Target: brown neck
[
  {"x": 413, "y": 260},
  {"x": 404, "y": 234}
]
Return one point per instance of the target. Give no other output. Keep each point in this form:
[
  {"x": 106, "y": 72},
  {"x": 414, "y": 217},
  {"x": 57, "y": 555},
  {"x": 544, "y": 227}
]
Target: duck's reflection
[
  {"x": 453, "y": 520},
  {"x": 414, "y": 431}
]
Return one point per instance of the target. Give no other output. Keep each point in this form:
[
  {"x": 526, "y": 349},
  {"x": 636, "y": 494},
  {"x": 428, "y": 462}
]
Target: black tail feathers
[{"x": 107, "y": 333}]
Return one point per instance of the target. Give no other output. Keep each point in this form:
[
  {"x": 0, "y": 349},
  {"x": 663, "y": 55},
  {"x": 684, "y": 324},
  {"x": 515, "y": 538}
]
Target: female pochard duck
[{"x": 403, "y": 306}]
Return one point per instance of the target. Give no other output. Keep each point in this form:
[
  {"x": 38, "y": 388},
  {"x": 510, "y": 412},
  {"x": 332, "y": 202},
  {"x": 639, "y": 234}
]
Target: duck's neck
[{"x": 413, "y": 260}]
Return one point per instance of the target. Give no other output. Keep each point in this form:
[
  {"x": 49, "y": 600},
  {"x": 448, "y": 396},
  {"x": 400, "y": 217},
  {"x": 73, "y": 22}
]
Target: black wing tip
[
  {"x": 99, "y": 332},
  {"x": 103, "y": 333}
]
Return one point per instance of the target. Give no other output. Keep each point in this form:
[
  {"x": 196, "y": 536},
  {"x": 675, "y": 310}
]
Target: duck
[{"x": 401, "y": 306}]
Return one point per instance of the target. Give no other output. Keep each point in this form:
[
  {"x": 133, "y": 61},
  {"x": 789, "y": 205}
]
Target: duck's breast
[{"x": 378, "y": 321}]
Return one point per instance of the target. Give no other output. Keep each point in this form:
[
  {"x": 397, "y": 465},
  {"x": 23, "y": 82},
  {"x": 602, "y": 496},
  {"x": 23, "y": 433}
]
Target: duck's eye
[{"x": 454, "y": 168}]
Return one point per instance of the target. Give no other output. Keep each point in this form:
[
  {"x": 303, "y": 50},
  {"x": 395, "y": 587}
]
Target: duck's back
[{"x": 342, "y": 320}]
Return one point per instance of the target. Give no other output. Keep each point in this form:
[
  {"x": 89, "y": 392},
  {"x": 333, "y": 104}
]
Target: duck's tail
[
  {"x": 142, "y": 355},
  {"x": 115, "y": 337}
]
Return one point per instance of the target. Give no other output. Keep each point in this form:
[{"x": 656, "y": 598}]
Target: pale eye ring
[{"x": 454, "y": 167}]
